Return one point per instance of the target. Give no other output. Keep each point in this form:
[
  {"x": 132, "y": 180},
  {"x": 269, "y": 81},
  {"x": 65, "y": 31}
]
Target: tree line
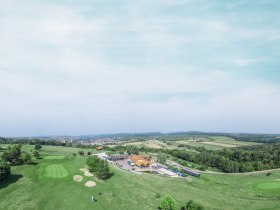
[
  {"x": 242, "y": 159},
  {"x": 13, "y": 155}
]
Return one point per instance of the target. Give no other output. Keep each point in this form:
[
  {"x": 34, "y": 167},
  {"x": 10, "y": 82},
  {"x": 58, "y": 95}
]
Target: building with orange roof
[
  {"x": 141, "y": 160},
  {"x": 99, "y": 148}
]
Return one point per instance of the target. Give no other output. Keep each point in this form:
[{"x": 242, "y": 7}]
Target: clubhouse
[{"x": 141, "y": 161}]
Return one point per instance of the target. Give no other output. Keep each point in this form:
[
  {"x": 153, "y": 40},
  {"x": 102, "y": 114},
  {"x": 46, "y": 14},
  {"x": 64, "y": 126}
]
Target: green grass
[
  {"x": 54, "y": 157},
  {"x": 269, "y": 185},
  {"x": 55, "y": 171},
  {"x": 48, "y": 184}
]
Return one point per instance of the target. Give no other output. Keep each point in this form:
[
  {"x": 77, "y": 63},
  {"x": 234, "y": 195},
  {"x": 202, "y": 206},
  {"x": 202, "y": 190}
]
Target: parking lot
[{"x": 123, "y": 164}]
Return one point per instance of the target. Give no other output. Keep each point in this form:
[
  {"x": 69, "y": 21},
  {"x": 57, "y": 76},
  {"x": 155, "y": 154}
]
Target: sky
[{"x": 81, "y": 67}]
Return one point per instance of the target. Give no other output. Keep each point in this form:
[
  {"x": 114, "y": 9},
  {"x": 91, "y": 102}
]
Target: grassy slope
[{"x": 33, "y": 190}]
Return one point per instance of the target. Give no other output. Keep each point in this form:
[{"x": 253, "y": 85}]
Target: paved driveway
[{"x": 123, "y": 164}]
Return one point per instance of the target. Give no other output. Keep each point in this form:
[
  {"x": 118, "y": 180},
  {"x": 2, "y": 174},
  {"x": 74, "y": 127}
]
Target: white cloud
[
  {"x": 246, "y": 62},
  {"x": 64, "y": 71}
]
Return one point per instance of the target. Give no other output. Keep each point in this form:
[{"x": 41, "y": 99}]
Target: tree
[
  {"x": 25, "y": 157},
  {"x": 38, "y": 146},
  {"x": 168, "y": 203},
  {"x": 5, "y": 169},
  {"x": 92, "y": 162},
  {"x": 132, "y": 150},
  {"x": 102, "y": 169},
  {"x": 181, "y": 145},
  {"x": 109, "y": 153},
  {"x": 161, "y": 158},
  {"x": 81, "y": 153},
  {"x": 88, "y": 153},
  {"x": 99, "y": 167},
  {"x": 12, "y": 155},
  {"x": 36, "y": 154},
  {"x": 268, "y": 173},
  {"x": 191, "y": 205}
]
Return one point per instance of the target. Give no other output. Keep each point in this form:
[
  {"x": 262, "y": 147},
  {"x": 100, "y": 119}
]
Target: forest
[{"x": 241, "y": 159}]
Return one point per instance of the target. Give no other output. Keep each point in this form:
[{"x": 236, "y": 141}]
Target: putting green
[
  {"x": 54, "y": 157},
  {"x": 55, "y": 171},
  {"x": 270, "y": 185}
]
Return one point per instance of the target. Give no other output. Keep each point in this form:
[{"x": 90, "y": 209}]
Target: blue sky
[{"x": 91, "y": 67}]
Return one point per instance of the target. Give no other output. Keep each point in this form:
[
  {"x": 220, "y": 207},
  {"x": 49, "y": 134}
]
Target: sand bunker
[
  {"x": 83, "y": 169},
  {"x": 86, "y": 172},
  {"x": 77, "y": 178},
  {"x": 90, "y": 184}
]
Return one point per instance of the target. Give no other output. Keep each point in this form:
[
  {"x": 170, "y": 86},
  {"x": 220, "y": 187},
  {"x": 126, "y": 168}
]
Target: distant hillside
[{"x": 248, "y": 137}]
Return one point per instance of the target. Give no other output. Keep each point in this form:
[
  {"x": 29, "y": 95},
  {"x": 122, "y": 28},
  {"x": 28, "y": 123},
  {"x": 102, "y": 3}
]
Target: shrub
[
  {"x": 202, "y": 168},
  {"x": 36, "y": 154},
  {"x": 268, "y": 173},
  {"x": 191, "y": 205},
  {"x": 25, "y": 157},
  {"x": 181, "y": 145},
  {"x": 38, "y": 146},
  {"x": 158, "y": 195},
  {"x": 81, "y": 153},
  {"x": 168, "y": 203}
]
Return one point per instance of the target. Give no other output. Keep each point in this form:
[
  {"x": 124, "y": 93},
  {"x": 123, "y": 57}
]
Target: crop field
[
  {"x": 212, "y": 143},
  {"x": 150, "y": 144},
  {"x": 48, "y": 184},
  {"x": 209, "y": 142},
  {"x": 228, "y": 140}
]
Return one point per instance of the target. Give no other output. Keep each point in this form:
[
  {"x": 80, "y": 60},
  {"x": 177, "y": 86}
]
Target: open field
[
  {"x": 208, "y": 142},
  {"x": 213, "y": 142},
  {"x": 228, "y": 140},
  {"x": 53, "y": 152},
  {"x": 218, "y": 144},
  {"x": 150, "y": 144},
  {"x": 48, "y": 184}
]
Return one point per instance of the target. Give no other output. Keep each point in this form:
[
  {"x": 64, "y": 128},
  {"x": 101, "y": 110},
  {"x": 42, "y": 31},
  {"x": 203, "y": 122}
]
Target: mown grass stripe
[{"x": 55, "y": 171}]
